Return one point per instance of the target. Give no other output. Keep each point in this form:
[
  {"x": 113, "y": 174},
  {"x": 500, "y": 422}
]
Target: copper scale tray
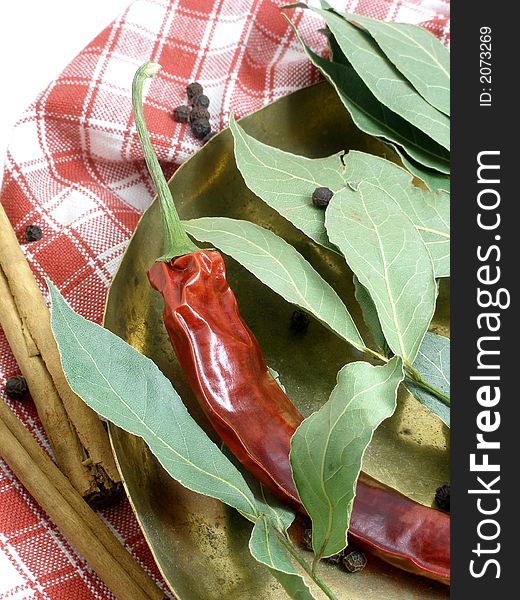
[{"x": 200, "y": 544}]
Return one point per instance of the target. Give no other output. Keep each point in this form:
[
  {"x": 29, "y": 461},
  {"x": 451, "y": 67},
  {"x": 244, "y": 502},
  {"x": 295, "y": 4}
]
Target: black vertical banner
[{"x": 485, "y": 327}]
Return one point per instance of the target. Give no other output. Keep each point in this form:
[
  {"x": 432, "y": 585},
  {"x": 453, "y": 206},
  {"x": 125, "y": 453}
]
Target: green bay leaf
[
  {"x": 428, "y": 211},
  {"x": 368, "y": 308},
  {"x": 416, "y": 53},
  {"x": 327, "y": 448},
  {"x": 286, "y": 181},
  {"x": 279, "y": 266},
  {"x": 129, "y": 390},
  {"x": 433, "y": 364},
  {"x": 385, "y": 81},
  {"x": 388, "y": 255},
  {"x": 258, "y": 162},
  {"x": 266, "y": 547},
  {"x": 374, "y": 118},
  {"x": 434, "y": 180}
]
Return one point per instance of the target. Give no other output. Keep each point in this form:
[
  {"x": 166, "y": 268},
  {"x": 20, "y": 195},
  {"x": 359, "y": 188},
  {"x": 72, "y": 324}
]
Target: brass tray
[{"x": 199, "y": 544}]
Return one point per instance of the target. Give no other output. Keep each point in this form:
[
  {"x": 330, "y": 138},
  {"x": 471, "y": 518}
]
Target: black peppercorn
[
  {"x": 307, "y": 539},
  {"x": 198, "y": 113},
  {"x": 299, "y": 321},
  {"x": 181, "y": 114},
  {"x": 194, "y": 90},
  {"x": 16, "y": 387},
  {"x": 207, "y": 137},
  {"x": 201, "y": 100},
  {"x": 200, "y": 128},
  {"x": 321, "y": 197},
  {"x": 442, "y": 496},
  {"x": 336, "y": 559},
  {"x": 33, "y": 233},
  {"x": 354, "y": 561}
]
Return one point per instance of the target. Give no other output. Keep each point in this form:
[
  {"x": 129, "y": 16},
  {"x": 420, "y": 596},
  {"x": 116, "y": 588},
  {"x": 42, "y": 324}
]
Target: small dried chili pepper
[{"x": 227, "y": 372}]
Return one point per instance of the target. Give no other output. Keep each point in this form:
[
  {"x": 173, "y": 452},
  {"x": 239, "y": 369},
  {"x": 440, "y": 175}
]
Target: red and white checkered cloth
[{"x": 74, "y": 167}]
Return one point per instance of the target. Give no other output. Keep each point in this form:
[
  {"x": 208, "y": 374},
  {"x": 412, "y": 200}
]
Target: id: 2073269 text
[{"x": 485, "y": 66}]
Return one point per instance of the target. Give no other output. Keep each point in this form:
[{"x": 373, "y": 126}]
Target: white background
[{"x": 38, "y": 38}]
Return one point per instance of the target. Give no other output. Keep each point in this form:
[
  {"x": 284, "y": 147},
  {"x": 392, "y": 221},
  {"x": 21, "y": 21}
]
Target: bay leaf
[
  {"x": 433, "y": 180},
  {"x": 259, "y": 161},
  {"x": 281, "y": 267},
  {"x": 385, "y": 81},
  {"x": 374, "y": 118},
  {"x": 421, "y": 58},
  {"x": 266, "y": 547},
  {"x": 368, "y": 308},
  {"x": 129, "y": 390},
  {"x": 327, "y": 448},
  {"x": 286, "y": 181},
  {"x": 433, "y": 364},
  {"x": 429, "y": 212},
  {"x": 387, "y": 254}
]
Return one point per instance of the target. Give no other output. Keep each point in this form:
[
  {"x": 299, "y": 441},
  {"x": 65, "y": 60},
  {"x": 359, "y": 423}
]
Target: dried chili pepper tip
[
  {"x": 321, "y": 197},
  {"x": 442, "y": 496},
  {"x": 194, "y": 90},
  {"x": 200, "y": 128},
  {"x": 181, "y": 114},
  {"x": 201, "y": 100},
  {"x": 198, "y": 113},
  {"x": 33, "y": 233},
  {"x": 299, "y": 322},
  {"x": 16, "y": 387},
  {"x": 354, "y": 561}
]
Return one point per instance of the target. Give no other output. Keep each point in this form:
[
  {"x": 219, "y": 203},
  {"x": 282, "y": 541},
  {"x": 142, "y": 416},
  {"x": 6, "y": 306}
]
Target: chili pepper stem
[
  {"x": 311, "y": 571},
  {"x": 176, "y": 240}
]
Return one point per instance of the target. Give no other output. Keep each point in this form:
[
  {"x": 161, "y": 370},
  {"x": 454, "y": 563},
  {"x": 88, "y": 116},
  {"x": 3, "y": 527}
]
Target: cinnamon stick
[
  {"x": 62, "y": 436},
  {"x": 56, "y": 495},
  {"x": 35, "y": 319}
]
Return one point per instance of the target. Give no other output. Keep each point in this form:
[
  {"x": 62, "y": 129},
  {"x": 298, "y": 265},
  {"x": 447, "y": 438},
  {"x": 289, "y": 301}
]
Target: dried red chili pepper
[{"x": 228, "y": 374}]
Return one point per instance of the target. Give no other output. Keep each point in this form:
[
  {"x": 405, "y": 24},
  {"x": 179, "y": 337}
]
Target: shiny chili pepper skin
[
  {"x": 226, "y": 368},
  {"x": 227, "y": 372}
]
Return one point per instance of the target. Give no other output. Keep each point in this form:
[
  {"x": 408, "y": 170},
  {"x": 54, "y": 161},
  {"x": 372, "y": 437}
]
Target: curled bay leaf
[
  {"x": 279, "y": 266},
  {"x": 416, "y": 53},
  {"x": 374, "y": 118},
  {"x": 328, "y": 447},
  {"x": 428, "y": 211},
  {"x": 389, "y": 257},
  {"x": 286, "y": 181},
  {"x": 433, "y": 180},
  {"x": 129, "y": 390},
  {"x": 368, "y": 308},
  {"x": 385, "y": 81}
]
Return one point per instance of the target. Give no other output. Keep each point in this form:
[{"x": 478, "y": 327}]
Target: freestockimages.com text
[{"x": 492, "y": 299}]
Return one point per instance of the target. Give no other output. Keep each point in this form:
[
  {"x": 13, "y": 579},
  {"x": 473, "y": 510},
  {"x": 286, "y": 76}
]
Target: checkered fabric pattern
[{"x": 75, "y": 168}]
